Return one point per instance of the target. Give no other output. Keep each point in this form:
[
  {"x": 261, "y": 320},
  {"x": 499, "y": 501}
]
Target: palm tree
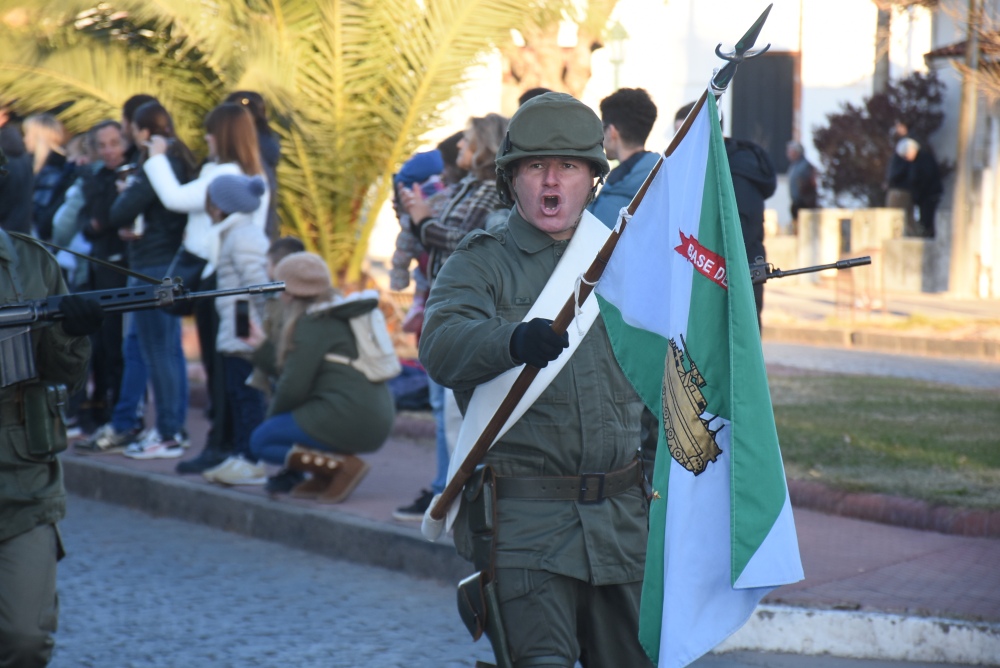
[{"x": 352, "y": 84}]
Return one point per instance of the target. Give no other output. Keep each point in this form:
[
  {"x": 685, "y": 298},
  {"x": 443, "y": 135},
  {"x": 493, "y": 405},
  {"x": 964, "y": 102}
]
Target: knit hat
[
  {"x": 419, "y": 168},
  {"x": 305, "y": 274},
  {"x": 235, "y": 193}
]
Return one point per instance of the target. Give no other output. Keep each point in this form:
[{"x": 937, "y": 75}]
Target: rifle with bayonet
[
  {"x": 137, "y": 298},
  {"x": 16, "y": 320},
  {"x": 761, "y": 271}
]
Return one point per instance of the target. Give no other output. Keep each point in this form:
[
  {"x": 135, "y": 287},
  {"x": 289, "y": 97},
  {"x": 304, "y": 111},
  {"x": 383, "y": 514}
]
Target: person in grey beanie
[{"x": 231, "y": 199}]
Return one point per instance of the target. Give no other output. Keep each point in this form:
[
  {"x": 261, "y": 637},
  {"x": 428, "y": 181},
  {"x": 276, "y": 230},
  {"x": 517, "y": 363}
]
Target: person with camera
[
  {"x": 232, "y": 149},
  {"x": 154, "y": 336}
]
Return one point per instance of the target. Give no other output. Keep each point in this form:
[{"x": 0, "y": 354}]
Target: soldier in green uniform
[
  {"x": 37, "y": 365},
  {"x": 556, "y": 520}
]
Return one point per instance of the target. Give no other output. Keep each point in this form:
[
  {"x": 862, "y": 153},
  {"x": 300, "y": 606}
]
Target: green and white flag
[{"x": 677, "y": 301}]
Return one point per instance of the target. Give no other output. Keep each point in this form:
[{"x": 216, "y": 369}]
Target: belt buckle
[{"x": 585, "y": 487}]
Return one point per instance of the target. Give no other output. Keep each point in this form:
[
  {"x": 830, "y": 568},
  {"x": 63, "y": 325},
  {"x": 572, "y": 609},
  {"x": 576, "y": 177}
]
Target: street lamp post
[{"x": 616, "y": 46}]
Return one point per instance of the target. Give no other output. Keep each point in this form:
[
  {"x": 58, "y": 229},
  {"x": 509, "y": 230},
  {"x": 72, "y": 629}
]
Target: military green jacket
[
  {"x": 586, "y": 421},
  {"x": 333, "y": 403},
  {"x": 31, "y": 487}
]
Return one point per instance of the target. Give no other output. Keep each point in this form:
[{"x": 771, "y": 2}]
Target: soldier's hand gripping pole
[{"x": 743, "y": 50}]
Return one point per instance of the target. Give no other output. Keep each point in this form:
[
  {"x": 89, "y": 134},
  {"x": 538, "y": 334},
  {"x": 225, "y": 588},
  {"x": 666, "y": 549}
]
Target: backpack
[{"x": 377, "y": 358}]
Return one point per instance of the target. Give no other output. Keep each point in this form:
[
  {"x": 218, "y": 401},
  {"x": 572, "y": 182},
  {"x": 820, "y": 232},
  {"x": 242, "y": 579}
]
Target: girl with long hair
[
  {"x": 44, "y": 139},
  {"x": 270, "y": 150},
  {"x": 152, "y": 347},
  {"x": 231, "y": 137}
]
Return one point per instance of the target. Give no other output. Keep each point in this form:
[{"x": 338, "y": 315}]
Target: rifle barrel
[
  {"x": 840, "y": 264},
  {"x": 117, "y": 300}
]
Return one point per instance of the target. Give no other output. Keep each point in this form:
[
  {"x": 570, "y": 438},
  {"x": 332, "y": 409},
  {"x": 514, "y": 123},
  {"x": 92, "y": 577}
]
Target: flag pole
[{"x": 720, "y": 81}]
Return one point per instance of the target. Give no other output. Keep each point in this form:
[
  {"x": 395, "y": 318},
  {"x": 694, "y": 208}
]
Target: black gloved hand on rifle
[
  {"x": 535, "y": 343},
  {"x": 81, "y": 316}
]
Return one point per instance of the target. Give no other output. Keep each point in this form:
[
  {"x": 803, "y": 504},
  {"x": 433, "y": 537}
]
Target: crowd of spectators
[{"x": 132, "y": 195}]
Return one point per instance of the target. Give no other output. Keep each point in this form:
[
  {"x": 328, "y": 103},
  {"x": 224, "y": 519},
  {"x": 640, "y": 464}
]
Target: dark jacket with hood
[
  {"x": 15, "y": 186},
  {"x": 163, "y": 230},
  {"x": 754, "y": 180},
  {"x": 270, "y": 154}
]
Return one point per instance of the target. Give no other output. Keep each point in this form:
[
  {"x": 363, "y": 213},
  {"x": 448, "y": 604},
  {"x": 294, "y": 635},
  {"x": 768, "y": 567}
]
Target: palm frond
[{"x": 352, "y": 85}]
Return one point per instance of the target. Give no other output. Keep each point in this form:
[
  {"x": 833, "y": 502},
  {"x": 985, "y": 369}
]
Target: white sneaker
[
  {"x": 209, "y": 474},
  {"x": 153, "y": 446},
  {"x": 242, "y": 472}
]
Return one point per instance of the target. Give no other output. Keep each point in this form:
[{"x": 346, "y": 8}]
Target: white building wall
[{"x": 670, "y": 51}]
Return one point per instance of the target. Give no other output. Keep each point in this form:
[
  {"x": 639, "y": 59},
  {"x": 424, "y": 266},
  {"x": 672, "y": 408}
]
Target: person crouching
[{"x": 323, "y": 412}]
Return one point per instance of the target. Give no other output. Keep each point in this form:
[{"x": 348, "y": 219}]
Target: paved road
[
  {"x": 967, "y": 373},
  {"x": 139, "y": 591}
]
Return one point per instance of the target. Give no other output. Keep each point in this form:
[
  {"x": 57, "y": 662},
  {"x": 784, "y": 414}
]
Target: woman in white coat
[{"x": 232, "y": 149}]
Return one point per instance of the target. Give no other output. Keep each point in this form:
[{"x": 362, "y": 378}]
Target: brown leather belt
[{"x": 585, "y": 488}]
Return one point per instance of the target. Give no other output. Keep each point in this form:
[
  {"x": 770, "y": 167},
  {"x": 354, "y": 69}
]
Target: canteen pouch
[
  {"x": 45, "y": 419},
  {"x": 479, "y": 609}
]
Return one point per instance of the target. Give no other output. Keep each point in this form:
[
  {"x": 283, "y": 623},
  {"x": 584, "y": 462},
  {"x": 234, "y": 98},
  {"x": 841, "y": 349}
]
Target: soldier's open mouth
[{"x": 550, "y": 202}]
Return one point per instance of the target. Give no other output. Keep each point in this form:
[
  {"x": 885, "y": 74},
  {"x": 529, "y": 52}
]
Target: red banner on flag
[{"x": 709, "y": 264}]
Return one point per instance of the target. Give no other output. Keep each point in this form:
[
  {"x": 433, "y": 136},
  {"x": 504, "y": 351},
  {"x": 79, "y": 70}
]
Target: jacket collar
[{"x": 528, "y": 238}]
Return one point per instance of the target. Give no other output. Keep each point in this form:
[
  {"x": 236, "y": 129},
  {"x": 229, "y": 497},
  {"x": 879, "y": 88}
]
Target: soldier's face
[{"x": 551, "y": 193}]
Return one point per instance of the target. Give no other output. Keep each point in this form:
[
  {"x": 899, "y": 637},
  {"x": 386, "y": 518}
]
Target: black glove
[
  {"x": 81, "y": 316},
  {"x": 535, "y": 343}
]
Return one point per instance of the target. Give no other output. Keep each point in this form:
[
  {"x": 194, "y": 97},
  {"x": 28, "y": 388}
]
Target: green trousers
[
  {"x": 29, "y": 605},
  {"x": 553, "y": 620}
]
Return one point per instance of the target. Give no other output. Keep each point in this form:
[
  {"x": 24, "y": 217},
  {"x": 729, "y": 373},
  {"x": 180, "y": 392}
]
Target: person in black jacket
[
  {"x": 45, "y": 138},
  {"x": 921, "y": 177},
  {"x": 754, "y": 180},
  {"x": 15, "y": 185},
  {"x": 154, "y": 234},
  {"x": 99, "y": 193}
]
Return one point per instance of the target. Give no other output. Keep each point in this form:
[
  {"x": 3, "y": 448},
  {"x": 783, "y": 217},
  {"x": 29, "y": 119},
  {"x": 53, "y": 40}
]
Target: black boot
[
  {"x": 208, "y": 458},
  {"x": 284, "y": 481}
]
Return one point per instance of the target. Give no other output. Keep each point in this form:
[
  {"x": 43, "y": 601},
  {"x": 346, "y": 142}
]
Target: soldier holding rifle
[{"x": 37, "y": 365}]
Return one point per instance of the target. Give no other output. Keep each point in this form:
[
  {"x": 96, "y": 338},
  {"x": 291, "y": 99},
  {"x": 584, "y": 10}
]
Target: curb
[
  {"x": 869, "y": 636},
  {"x": 894, "y": 510},
  {"x": 341, "y": 536},
  {"x": 885, "y": 342},
  {"x": 334, "y": 535}
]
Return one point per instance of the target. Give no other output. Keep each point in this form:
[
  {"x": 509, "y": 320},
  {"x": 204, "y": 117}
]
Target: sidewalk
[{"x": 873, "y": 591}]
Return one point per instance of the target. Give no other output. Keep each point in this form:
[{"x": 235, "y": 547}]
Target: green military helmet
[{"x": 553, "y": 124}]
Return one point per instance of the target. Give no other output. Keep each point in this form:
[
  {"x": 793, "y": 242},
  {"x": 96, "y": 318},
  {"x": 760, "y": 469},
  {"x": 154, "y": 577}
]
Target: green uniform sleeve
[
  {"x": 465, "y": 341},
  {"x": 59, "y": 357}
]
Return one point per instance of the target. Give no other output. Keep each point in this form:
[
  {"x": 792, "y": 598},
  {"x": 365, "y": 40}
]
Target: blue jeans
[
  {"x": 130, "y": 406},
  {"x": 246, "y": 404},
  {"x": 436, "y": 393},
  {"x": 272, "y": 440},
  {"x": 159, "y": 337}
]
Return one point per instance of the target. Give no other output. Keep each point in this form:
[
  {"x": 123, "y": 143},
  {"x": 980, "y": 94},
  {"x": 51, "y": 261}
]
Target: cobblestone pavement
[
  {"x": 138, "y": 591},
  {"x": 966, "y": 373}
]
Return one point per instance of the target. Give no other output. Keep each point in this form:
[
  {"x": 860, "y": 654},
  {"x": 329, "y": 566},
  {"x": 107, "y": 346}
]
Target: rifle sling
[{"x": 103, "y": 263}]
